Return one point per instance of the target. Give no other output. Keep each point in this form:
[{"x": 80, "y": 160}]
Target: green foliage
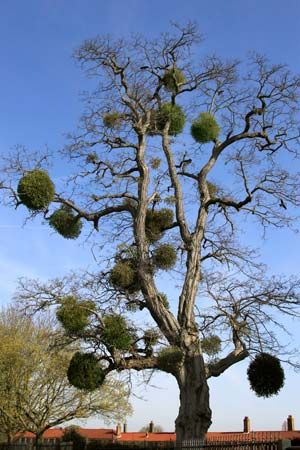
[
  {"x": 169, "y": 358},
  {"x": 156, "y": 222},
  {"x": 173, "y": 114},
  {"x": 112, "y": 120},
  {"x": 36, "y": 190},
  {"x": 265, "y": 375},
  {"x": 172, "y": 79},
  {"x": 123, "y": 276},
  {"x": 211, "y": 345},
  {"x": 65, "y": 222},
  {"x": 84, "y": 371},
  {"x": 116, "y": 333},
  {"x": 72, "y": 434},
  {"x": 151, "y": 337},
  {"x": 205, "y": 128},
  {"x": 167, "y": 113},
  {"x": 164, "y": 257},
  {"x": 164, "y": 299},
  {"x": 74, "y": 314}
]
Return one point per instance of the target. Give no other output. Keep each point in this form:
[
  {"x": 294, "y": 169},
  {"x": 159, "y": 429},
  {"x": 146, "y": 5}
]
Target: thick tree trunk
[{"x": 194, "y": 416}]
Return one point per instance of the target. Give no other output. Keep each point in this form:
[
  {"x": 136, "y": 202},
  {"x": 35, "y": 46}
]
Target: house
[{"x": 119, "y": 435}]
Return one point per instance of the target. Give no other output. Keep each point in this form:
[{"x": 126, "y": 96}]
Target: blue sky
[{"x": 39, "y": 103}]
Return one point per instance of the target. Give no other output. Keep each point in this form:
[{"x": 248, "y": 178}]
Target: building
[{"x": 119, "y": 435}]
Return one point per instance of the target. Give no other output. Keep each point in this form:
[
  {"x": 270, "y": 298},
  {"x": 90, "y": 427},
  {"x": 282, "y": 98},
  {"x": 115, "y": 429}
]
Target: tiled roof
[
  {"x": 110, "y": 434},
  {"x": 252, "y": 436},
  {"x": 149, "y": 437}
]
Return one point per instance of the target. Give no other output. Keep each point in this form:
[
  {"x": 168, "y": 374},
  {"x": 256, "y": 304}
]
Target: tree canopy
[
  {"x": 35, "y": 393},
  {"x": 173, "y": 157}
]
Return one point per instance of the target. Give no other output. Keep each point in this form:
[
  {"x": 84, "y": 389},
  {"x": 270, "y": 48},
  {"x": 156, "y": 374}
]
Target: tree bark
[{"x": 194, "y": 416}]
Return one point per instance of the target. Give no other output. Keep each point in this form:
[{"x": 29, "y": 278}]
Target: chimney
[
  {"x": 290, "y": 423},
  {"x": 118, "y": 429},
  {"x": 151, "y": 427},
  {"x": 246, "y": 424},
  {"x": 125, "y": 427}
]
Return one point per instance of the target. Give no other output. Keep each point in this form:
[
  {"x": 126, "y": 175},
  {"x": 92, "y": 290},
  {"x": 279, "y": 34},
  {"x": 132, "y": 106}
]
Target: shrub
[
  {"x": 156, "y": 222},
  {"x": 205, "y": 128},
  {"x": 116, "y": 333},
  {"x": 211, "y": 345},
  {"x": 169, "y": 358},
  {"x": 65, "y": 222},
  {"x": 84, "y": 372},
  {"x": 164, "y": 257},
  {"x": 36, "y": 190},
  {"x": 172, "y": 79},
  {"x": 74, "y": 314},
  {"x": 265, "y": 375},
  {"x": 72, "y": 434}
]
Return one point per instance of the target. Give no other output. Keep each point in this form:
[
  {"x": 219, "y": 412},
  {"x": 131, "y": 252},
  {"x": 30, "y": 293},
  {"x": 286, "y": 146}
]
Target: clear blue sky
[{"x": 39, "y": 103}]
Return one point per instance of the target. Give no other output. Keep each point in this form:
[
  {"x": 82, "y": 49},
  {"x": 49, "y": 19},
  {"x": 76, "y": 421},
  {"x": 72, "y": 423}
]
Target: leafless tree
[{"x": 133, "y": 165}]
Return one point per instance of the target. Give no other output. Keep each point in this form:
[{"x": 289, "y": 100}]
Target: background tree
[
  {"x": 169, "y": 205},
  {"x": 156, "y": 429},
  {"x": 35, "y": 393}
]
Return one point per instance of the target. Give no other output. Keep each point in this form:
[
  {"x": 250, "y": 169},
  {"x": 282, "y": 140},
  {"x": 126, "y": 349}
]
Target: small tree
[
  {"x": 160, "y": 205},
  {"x": 35, "y": 393}
]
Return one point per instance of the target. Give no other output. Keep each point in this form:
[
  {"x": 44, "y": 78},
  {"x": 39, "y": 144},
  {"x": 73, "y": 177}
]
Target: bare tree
[{"x": 162, "y": 201}]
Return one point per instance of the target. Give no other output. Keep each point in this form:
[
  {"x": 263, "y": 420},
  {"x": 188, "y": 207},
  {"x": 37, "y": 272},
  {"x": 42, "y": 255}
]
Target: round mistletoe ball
[
  {"x": 36, "y": 190},
  {"x": 265, "y": 375},
  {"x": 64, "y": 221},
  {"x": 205, "y": 128},
  {"x": 84, "y": 372},
  {"x": 164, "y": 257},
  {"x": 173, "y": 114},
  {"x": 172, "y": 79}
]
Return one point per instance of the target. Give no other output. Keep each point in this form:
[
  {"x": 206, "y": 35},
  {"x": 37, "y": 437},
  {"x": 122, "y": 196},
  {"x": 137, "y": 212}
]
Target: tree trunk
[{"x": 194, "y": 417}]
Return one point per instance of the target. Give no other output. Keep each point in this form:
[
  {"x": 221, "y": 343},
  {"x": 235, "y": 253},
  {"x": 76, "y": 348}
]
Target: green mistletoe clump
[
  {"x": 74, "y": 315},
  {"x": 66, "y": 223},
  {"x": 265, "y": 375},
  {"x": 36, "y": 190},
  {"x": 84, "y": 372},
  {"x": 164, "y": 257},
  {"x": 205, "y": 128}
]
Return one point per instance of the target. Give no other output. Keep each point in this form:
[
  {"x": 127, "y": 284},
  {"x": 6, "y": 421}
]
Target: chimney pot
[
  {"x": 151, "y": 427},
  {"x": 118, "y": 429},
  {"x": 290, "y": 423},
  {"x": 246, "y": 424},
  {"x": 125, "y": 427}
]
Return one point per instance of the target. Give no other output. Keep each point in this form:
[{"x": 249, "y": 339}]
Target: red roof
[
  {"x": 252, "y": 436},
  {"x": 149, "y": 437},
  {"x": 110, "y": 434}
]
